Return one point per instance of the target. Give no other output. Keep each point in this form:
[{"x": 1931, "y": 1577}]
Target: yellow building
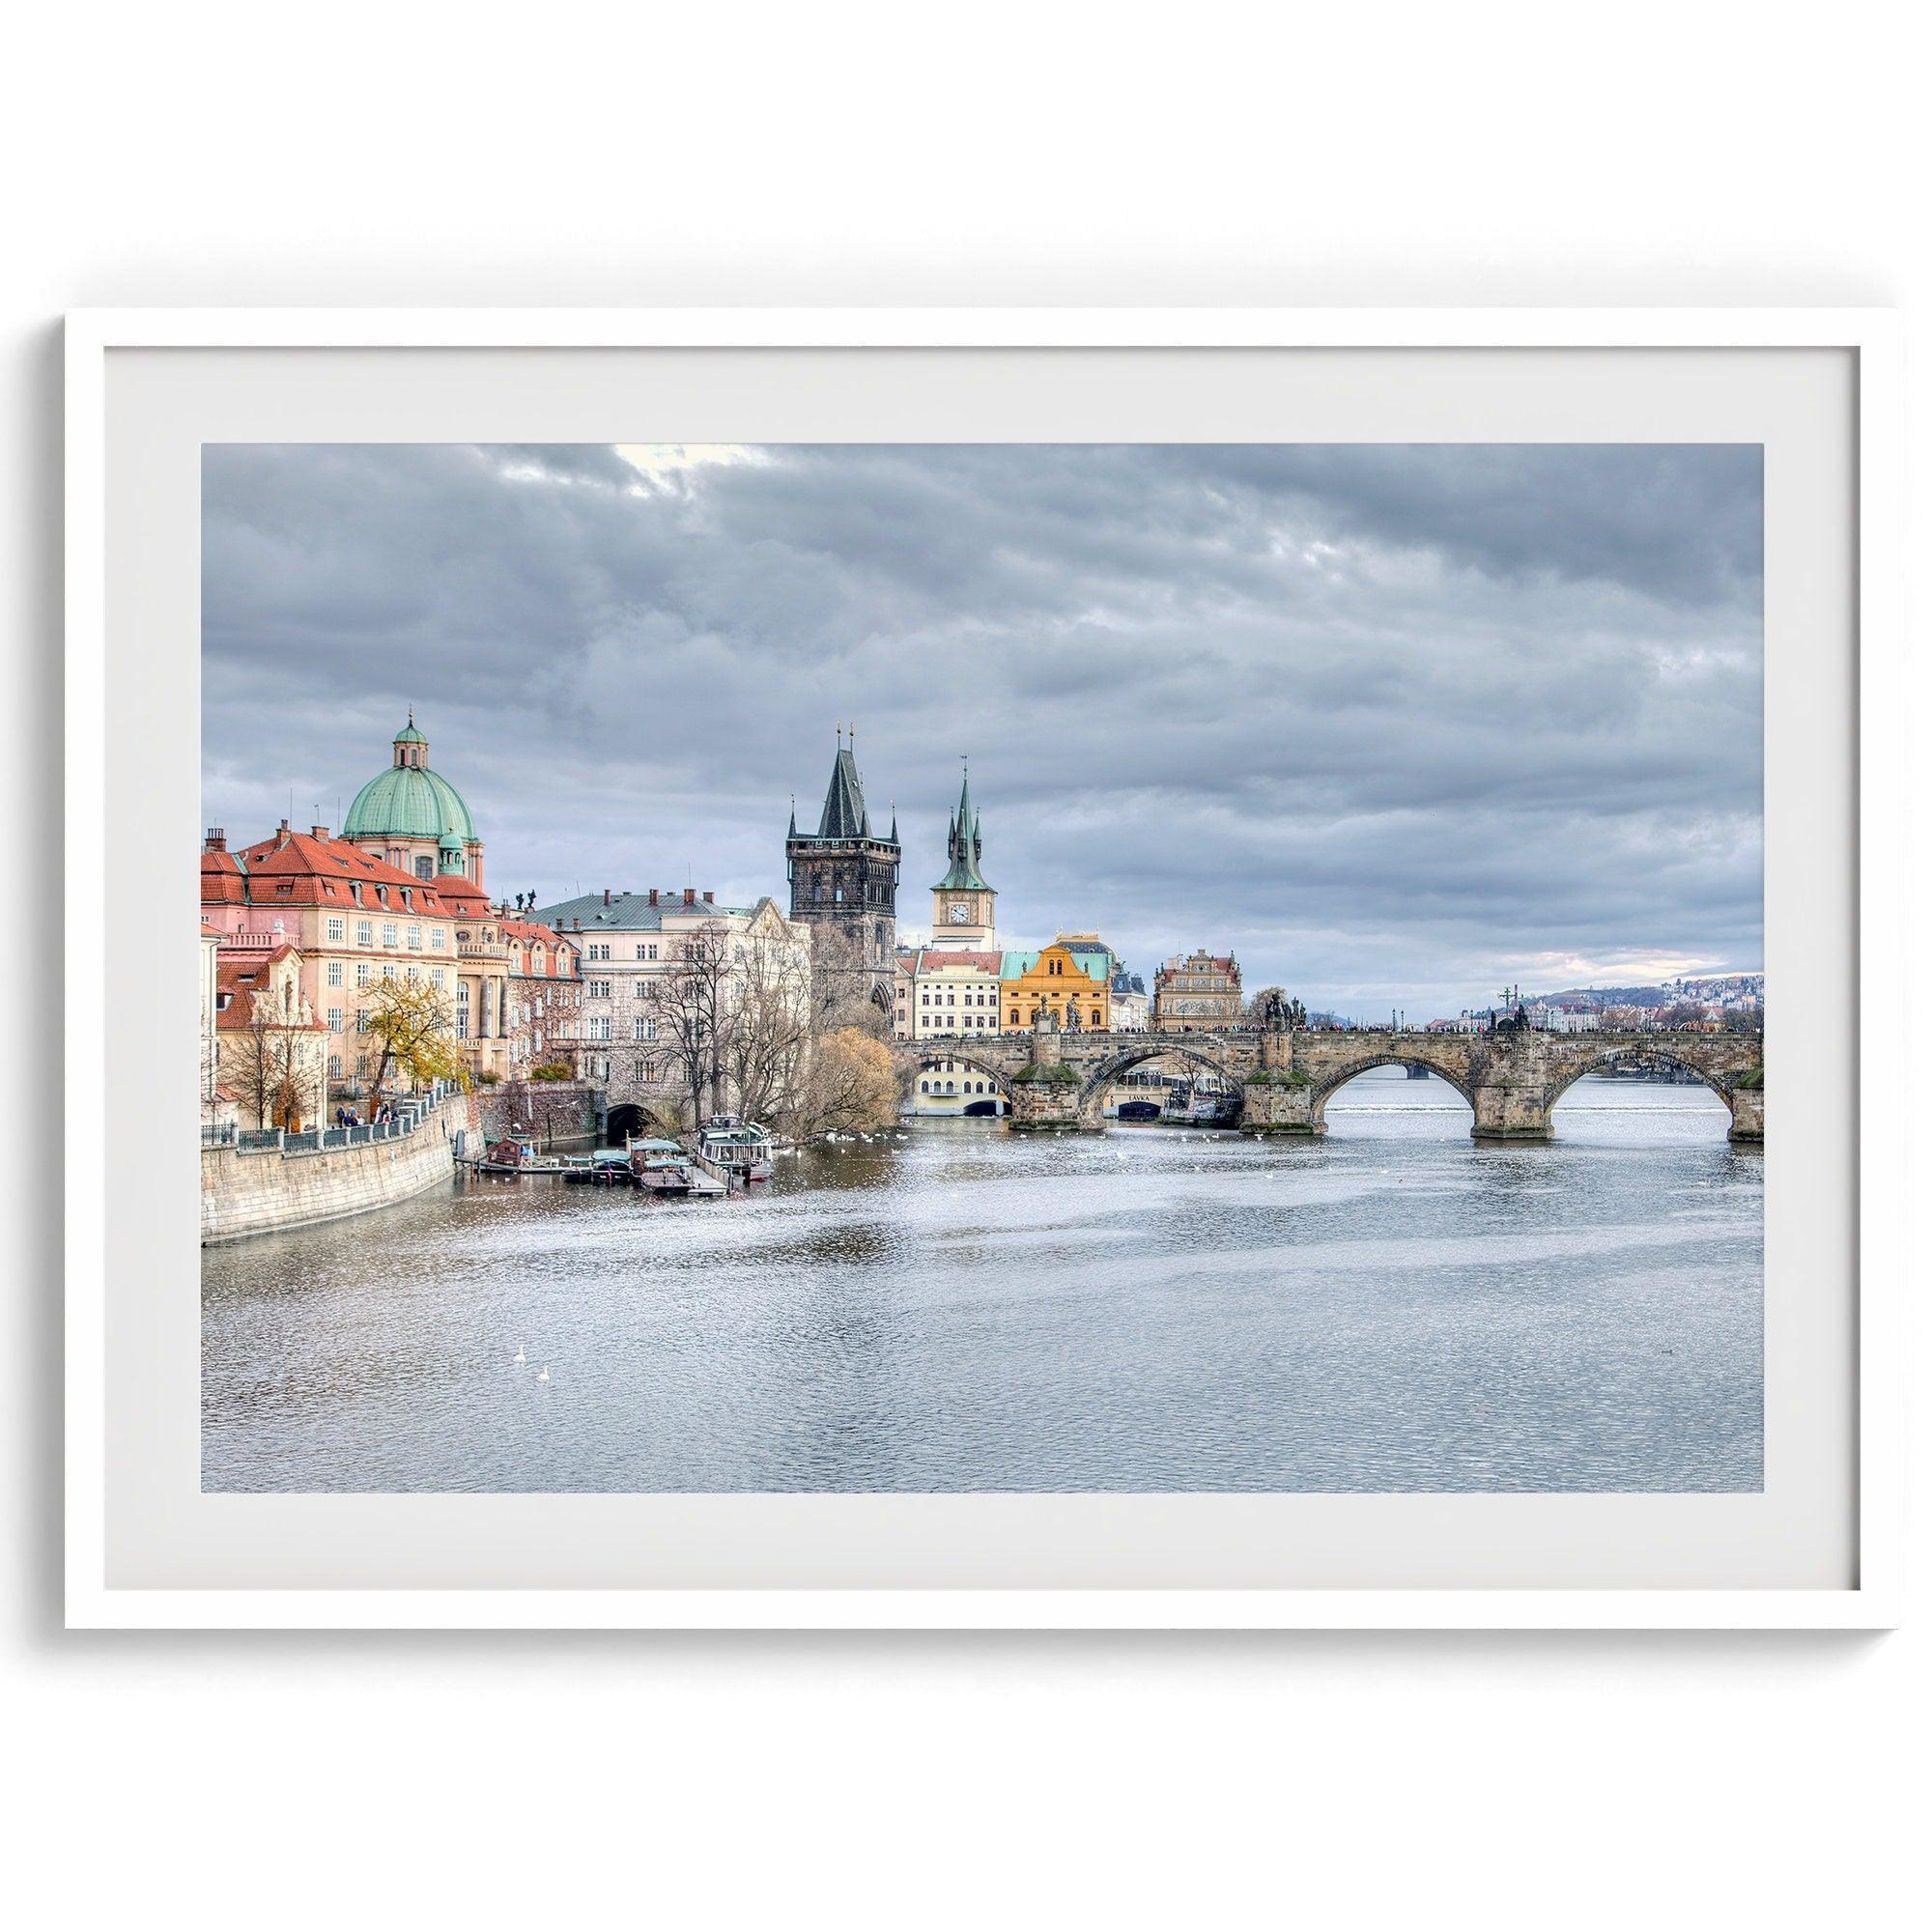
[{"x": 1071, "y": 985}]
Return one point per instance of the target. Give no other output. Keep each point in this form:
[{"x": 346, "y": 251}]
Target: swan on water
[
  {"x": 520, "y": 1356},
  {"x": 543, "y": 1374}
]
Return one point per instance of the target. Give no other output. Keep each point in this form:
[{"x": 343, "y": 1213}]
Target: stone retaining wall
[{"x": 245, "y": 1193}]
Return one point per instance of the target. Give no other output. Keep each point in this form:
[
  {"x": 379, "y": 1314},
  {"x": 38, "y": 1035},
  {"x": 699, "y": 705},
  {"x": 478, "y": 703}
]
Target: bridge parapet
[{"x": 1511, "y": 1080}]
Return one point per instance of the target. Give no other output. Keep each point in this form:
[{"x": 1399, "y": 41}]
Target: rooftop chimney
[
  {"x": 691, "y": 895},
  {"x": 318, "y": 832},
  {"x": 654, "y": 896},
  {"x": 217, "y": 839},
  {"x": 708, "y": 898},
  {"x": 606, "y": 895},
  {"x": 282, "y": 834}
]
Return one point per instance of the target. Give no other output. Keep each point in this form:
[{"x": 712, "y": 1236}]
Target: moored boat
[
  {"x": 658, "y": 1167},
  {"x": 742, "y": 1148}
]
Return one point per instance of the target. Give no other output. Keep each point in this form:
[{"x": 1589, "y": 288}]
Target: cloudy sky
[{"x": 1397, "y": 726}]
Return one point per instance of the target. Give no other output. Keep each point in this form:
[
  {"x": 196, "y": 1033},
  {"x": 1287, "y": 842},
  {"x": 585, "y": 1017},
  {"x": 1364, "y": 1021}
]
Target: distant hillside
[{"x": 1607, "y": 996}]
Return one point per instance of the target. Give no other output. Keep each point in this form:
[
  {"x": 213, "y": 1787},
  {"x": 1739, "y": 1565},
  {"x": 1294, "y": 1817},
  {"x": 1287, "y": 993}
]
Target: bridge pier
[
  {"x": 1746, "y": 1116},
  {"x": 1509, "y": 1112},
  {"x": 1280, "y": 1102},
  {"x": 1046, "y": 1092}
]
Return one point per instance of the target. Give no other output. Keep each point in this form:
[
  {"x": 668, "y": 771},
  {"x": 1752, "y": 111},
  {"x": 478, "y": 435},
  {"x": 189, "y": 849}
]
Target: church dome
[{"x": 408, "y": 800}]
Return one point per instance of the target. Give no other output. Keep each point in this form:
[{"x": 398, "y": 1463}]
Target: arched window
[{"x": 922, "y": 1086}]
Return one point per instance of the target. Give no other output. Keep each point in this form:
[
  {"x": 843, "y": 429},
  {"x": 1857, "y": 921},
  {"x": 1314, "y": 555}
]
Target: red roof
[
  {"x": 531, "y": 932},
  {"x": 935, "y": 957},
  {"x": 302, "y": 869},
  {"x": 237, "y": 982}
]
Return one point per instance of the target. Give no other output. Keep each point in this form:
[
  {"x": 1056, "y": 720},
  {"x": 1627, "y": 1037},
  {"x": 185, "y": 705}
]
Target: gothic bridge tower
[
  {"x": 962, "y": 901},
  {"x": 844, "y": 886}
]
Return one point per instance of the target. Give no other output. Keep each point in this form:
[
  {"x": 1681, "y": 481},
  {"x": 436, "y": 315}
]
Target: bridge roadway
[{"x": 1511, "y": 1080}]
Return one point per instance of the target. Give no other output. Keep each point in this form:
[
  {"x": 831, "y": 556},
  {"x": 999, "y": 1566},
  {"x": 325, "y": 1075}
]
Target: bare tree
[
  {"x": 692, "y": 1006},
  {"x": 274, "y": 1062},
  {"x": 767, "y": 1043}
]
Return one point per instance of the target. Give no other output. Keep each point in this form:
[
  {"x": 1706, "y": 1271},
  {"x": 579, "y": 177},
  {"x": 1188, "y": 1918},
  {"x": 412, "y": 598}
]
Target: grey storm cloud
[{"x": 1397, "y": 725}]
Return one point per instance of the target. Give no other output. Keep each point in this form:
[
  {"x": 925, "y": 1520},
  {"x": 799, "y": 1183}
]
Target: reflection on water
[{"x": 954, "y": 1307}]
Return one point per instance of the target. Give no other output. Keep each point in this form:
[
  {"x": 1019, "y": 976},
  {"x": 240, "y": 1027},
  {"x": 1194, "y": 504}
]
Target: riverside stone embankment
[{"x": 264, "y": 1191}]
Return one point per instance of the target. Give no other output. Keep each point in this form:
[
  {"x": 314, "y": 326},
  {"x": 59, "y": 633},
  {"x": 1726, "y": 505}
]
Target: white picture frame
[{"x": 1871, "y": 1598}]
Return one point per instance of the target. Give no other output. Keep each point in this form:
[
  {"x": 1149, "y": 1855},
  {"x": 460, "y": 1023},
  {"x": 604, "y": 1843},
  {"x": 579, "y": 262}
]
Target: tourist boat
[
  {"x": 742, "y": 1148},
  {"x": 658, "y": 1167}
]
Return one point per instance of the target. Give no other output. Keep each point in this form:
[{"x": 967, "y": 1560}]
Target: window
[
  {"x": 335, "y": 930},
  {"x": 1097, "y": 1015},
  {"x": 388, "y": 933},
  {"x": 335, "y": 1066},
  {"x": 641, "y": 988},
  {"x": 598, "y": 989},
  {"x": 600, "y": 1028},
  {"x": 638, "y": 1071},
  {"x": 335, "y": 972},
  {"x": 366, "y": 934},
  {"x": 640, "y": 1028},
  {"x": 436, "y": 938},
  {"x": 921, "y": 1086},
  {"x": 650, "y": 953},
  {"x": 362, "y": 1026},
  {"x": 600, "y": 953},
  {"x": 389, "y": 970},
  {"x": 425, "y": 866},
  {"x": 361, "y": 972},
  {"x": 336, "y": 1019},
  {"x": 642, "y": 953},
  {"x": 412, "y": 976},
  {"x": 436, "y": 976},
  {"x": 416, "y": 938}
]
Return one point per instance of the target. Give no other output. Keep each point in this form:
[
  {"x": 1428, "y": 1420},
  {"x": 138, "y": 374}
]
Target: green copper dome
[{"x": 408, "y": 801}]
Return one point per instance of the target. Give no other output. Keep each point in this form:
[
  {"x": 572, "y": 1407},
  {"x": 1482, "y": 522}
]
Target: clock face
[{"x": 958, "y": 913}]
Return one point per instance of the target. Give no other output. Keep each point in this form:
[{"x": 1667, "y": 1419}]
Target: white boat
[{"x": 742, "y": 1148}]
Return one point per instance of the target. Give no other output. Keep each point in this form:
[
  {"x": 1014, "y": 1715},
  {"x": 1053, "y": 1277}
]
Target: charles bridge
[{"x": 1510, "y": 1078}]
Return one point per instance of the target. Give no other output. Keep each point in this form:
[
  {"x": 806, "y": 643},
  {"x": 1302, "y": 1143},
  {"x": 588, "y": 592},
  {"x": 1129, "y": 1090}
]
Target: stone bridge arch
[
  {"x": 1203, "y": 1049},
  {"x": 1451, "y": 1066},
  {"x": 1731, "y": 1067},
  {"x": 915, "y": 1057}
]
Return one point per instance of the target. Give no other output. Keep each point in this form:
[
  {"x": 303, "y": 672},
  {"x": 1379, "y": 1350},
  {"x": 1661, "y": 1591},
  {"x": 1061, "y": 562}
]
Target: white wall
[{"x": 1005, "y": 153}]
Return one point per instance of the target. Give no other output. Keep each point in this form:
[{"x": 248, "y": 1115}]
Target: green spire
[{"x": 962, "y": 845}]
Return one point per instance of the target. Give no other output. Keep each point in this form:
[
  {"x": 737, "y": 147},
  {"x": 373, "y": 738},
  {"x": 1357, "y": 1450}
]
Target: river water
[{"x": 954, "y": 1307}]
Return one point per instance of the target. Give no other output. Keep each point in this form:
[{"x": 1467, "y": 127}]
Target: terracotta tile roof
[
  {"x": 237, "y": 982},
  {"x": 934, "y": 958},
  {"x": 533, "y": 932},
  {"x": 302, "y": 869}
]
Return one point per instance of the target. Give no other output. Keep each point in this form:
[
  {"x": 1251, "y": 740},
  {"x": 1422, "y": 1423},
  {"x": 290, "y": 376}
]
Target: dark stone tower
[{"x": 844, "y": 886}]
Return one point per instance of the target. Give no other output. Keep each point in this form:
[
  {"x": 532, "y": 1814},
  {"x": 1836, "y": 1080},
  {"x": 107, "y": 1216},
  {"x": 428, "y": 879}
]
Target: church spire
[{"x": 962, "y": 843}]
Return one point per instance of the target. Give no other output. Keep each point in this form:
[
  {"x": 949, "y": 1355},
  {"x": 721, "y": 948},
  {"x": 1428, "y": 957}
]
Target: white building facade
[{"x": 628, "y": 941}]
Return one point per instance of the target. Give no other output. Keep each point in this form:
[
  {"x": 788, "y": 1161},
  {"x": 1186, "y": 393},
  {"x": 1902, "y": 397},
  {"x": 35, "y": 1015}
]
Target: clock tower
[{"x": 962, "y": 901}]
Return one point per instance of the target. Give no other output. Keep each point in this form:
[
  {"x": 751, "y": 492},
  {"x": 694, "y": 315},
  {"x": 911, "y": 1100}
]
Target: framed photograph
[{"x": 985, "y": 969}]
